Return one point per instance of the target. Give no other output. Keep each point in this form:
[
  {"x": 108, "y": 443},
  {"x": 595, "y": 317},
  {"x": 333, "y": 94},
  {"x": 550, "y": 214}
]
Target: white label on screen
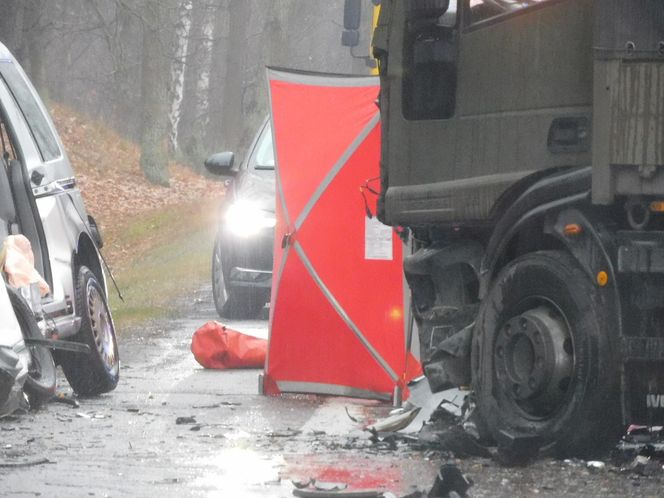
[{"x": 377, "y": 240}]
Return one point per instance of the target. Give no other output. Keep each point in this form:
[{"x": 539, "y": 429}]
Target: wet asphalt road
[
  {"x": 239, "y": 443},
  {"x": 242, "y": 444}
]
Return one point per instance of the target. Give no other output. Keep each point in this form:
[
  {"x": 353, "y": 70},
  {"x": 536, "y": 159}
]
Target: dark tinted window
[
  {"x": 264, "y": 155},
  {"x": 39, "y": 125},
  {"x": 481, "y": 10}
]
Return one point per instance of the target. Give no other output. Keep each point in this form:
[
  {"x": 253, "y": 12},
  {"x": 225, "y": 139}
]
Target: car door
[{"x": 48, "y": 180}]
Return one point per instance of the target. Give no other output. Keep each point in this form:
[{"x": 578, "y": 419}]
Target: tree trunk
[
  {"x": 35, "y": 35},
  {"x": 232, "y": 127},
  {"x": 154, "y": 73},
  {"x": 197, "y": 147},
  {"x": 11, "y": 25},
  {"x": 218, "y": 78},
  {"x": 178, "y": 68}
]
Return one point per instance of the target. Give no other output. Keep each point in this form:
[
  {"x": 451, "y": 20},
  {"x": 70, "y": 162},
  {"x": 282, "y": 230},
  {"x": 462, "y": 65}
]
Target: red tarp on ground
[
  {"x": 216, "y": 346},
  {"x": 337, "y": 311}
]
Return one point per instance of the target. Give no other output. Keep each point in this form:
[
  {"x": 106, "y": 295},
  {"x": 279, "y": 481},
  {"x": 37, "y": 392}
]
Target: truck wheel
[
  {"x": 99, "y": 371},
  {"x": 545, "y": 367},
  {"x": 41, "y": 380}
]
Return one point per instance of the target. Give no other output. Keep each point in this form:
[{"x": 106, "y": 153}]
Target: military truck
[{"x": 523, "y": 146}]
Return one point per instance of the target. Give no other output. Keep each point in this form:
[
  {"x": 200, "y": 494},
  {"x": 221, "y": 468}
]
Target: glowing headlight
[{"x": 245, "y": 218}]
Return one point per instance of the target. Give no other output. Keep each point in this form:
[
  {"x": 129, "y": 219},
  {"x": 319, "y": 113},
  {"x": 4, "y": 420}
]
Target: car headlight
[{"x": 244, "y": 219}]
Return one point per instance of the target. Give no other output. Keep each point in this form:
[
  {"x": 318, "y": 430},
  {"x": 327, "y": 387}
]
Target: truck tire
[
  {"x": 40, "y": 383},
  {"x": 420, "y": 9},
  {"x": 99, "y": 371},
  {"x": 545, "y": 366}
]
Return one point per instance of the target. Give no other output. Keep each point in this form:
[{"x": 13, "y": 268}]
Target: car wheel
[
  {"x": 41, "y": 381},
  {"x": 545, "y": 369},
  {"x": 99, "y": 371},
  {"x": 220, "y": 292}
]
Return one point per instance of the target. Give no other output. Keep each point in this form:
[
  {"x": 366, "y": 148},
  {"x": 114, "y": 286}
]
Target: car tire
[
  {"x": 99, "y": 371},
  {"x": 244, "y": 304},
  {"x": 545, "y": 361},
  {"x": 220, "y": 291},
  {"x": 40, "y": 383},
  {"x": 234, "y": 303}
]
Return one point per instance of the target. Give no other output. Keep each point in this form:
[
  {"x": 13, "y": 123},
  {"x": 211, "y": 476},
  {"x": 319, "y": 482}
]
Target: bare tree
[
  {"x": 115, "y": 60},
  {"x": 11, "y": 25},
  {"x": 154, "y": 92},
  {"x": 232, "y": 126},
  {"x": 182, "y": 31},
  {"x": 201, "y": 76}
]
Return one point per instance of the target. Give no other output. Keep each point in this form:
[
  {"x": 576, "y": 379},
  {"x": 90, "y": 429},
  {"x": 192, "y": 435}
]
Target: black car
[{"x": 242, "y": 260}]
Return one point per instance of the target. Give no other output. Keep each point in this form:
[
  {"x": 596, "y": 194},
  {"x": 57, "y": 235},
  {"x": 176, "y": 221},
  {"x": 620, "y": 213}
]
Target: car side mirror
[
  {"x": 221, "y": 163},
  {"x": 350, "y": 37},
  {"x": 352, "y": 14}
]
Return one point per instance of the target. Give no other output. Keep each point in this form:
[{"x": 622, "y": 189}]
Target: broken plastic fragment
[
  {"x": 330, "y": 486},
  {"x": 303, "y": 484},
  {"x": 185, "y": 420},
  {"x": 395, "y": 422},
  {"x": 450, "y": 480}
]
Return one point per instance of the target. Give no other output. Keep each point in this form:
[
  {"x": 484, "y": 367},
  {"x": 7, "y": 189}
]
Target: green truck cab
[{"x": 523, "y": 146}]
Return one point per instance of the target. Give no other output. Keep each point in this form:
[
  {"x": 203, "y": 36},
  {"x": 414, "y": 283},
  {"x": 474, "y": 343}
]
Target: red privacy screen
[{"x": 337, "y": 320}]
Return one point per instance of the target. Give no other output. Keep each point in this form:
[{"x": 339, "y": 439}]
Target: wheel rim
[
  {"x": 534, "y": 359},
  {"x": 102, "y": 327},
  {"x": 218, "y": 280}
]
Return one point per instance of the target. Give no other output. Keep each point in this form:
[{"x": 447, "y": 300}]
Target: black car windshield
[{"x": 264, "y": 158}]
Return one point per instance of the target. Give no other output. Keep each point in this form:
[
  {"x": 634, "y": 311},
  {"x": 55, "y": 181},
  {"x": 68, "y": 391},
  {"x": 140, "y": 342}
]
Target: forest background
[{"x": 183, "y": 78}]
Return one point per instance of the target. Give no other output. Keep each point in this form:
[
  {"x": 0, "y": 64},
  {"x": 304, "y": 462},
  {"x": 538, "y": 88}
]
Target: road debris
[
  {"x": 353, "y": 419},
  {"x": 395, "y": 422},
  {"x": 329, "y": 486},
  {"x": 25, "y": 463},
  {"x": 450, "y": 482},
  {"x": 66, "y": 400},
  {"x": 356, "y": 493},
  {"x": 185, "y": 420},
  {"x": 302, "y": 484},
  {"x": 454, "y": 439}
]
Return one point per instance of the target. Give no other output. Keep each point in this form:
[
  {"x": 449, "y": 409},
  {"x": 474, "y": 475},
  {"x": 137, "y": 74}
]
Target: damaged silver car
[{"x": 40, "y": 201}]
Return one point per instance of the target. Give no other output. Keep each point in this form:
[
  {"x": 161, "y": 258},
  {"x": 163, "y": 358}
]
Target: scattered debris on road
[
  {"x": 65, "y": 400},
  {"x": 25, "y": 463},
  {"x": 396, "y": 422},
  {"x": 185, "y": 420},
  {"x": 356, "y": 493}
]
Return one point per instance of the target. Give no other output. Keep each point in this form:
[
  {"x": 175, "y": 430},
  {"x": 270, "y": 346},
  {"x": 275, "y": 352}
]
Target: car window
[
  {"x": 6, "y": 145},
  {"x": 264, "y": 156},
  {"x": 32, "y": 112},
  {"x": 482, "y": 10}
]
